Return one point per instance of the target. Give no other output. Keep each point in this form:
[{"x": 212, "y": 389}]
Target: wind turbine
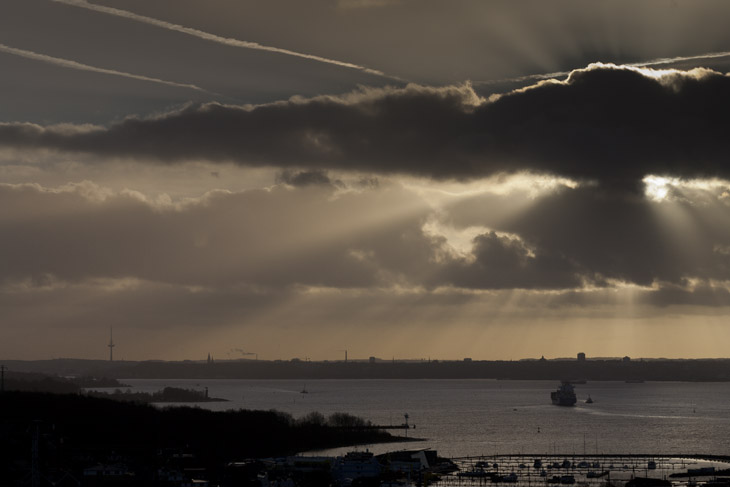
[{"x": 111, "y": 344}]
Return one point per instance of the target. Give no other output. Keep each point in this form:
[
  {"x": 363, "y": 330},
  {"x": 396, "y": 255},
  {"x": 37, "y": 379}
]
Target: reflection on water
[{"x": 487, "y": 417}]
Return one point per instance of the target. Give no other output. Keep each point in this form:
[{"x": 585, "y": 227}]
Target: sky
[{"x": 402, "y": 179}]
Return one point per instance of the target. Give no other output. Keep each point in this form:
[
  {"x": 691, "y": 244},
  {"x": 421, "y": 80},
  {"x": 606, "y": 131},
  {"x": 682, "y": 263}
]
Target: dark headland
[{"x": 63, "y": 436}]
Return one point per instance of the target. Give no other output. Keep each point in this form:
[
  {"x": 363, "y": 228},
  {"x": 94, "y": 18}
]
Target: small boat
[
  {"x": 304, "y": 390},
  {"x": 589, "y": 400}
]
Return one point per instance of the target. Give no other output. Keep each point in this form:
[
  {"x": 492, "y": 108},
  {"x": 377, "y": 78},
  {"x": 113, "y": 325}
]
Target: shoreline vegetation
[
  {"x": 168, "y": 394},
  {"x": 77, "y": 431}
]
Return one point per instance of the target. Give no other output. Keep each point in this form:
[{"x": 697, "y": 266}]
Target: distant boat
[
  {"x": 565, "y": 395},
  {"x": 304, "y": 390},
  {"x": 634, "y": 381},
  {"x": 589, "y": 400}
]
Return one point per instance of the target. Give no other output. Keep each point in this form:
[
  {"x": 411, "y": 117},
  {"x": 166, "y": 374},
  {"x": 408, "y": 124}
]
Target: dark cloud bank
[
  {"x": 604, "y": 123},
  {"x": 607, "y": 124}
]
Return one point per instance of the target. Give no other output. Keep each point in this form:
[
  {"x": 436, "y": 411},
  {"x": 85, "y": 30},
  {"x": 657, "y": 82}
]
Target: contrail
[
  {"x": 67, "y": 63},
  {"x": 652, "y": 62},
  {"x": 679, "y": 59},
  {"x": 228, "y": 41}
]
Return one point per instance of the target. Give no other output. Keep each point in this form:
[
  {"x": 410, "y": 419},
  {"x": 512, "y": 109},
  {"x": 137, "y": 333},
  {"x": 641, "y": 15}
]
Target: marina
[
  {"x": 423, "y": 467},
  {"x": 616, "y": 470}
]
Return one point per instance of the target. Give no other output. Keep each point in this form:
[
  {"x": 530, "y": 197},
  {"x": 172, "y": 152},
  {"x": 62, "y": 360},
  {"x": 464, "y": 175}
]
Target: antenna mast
[{"x": 111, "y": 344}]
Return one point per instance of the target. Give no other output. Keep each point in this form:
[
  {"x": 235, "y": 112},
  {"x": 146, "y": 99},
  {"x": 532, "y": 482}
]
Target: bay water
[{"x": 462, "y": 418}]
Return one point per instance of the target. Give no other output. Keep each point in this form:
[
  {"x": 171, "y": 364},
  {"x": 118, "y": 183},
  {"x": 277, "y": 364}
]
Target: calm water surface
[{"x": 485, "y": 417}]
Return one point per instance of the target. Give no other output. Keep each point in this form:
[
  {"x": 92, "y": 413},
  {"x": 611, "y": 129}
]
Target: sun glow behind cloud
[
  {"x": 657, "y": 188},
  {"x": 380, "y": 217},
  {"x": 699, "y": 184}
]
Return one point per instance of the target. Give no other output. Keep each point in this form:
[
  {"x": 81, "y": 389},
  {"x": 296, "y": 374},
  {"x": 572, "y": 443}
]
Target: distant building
[{"x": 581, "y": 357}]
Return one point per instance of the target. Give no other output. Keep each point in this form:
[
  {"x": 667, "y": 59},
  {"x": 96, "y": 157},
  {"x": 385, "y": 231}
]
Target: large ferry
[{"x": 564, "y": 396}]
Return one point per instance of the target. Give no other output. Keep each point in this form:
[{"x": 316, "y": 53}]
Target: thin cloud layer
[
  {"x": 613, "y": 125},
  {"x": 314, "y": 232}
]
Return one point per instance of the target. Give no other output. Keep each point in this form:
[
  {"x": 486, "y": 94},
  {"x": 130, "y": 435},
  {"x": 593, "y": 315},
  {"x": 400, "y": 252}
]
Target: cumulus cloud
[
  {"x": 615, "y": 238},
  {"x": 500, "y": 262},
  {"x": 609, "y": 124}
]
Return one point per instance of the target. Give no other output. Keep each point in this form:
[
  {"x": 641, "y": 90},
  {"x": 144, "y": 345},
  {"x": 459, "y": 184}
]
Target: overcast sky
[{"x": 400, "y": 179}]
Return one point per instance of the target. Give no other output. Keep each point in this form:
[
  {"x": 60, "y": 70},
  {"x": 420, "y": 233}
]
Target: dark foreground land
[{"x": 62, "y": 435}]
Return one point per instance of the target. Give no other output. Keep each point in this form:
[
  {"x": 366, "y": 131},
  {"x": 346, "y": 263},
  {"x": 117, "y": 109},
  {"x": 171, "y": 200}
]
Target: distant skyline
[{"x": 486, "y": 179}]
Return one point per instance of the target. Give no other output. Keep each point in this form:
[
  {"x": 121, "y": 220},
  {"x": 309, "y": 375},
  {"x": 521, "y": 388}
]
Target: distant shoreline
[
  {"x": 695, "y": 370},
  {"x": 166, "y": 395}
]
